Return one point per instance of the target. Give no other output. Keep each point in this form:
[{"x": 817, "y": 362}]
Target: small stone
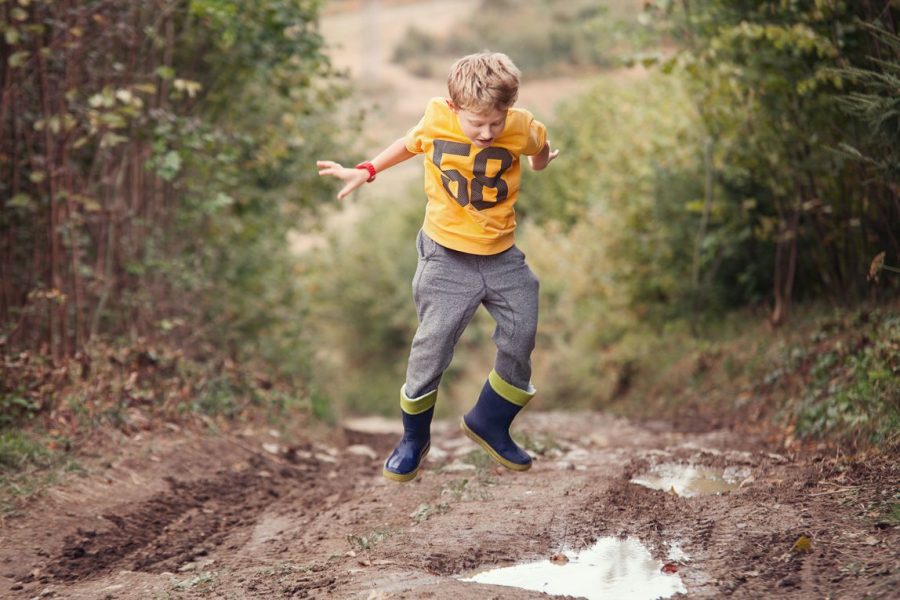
[
  {"x": 362, "y": 450},
  {"x": 437, "y": 454},
  {"x": 457, "y": 467}
]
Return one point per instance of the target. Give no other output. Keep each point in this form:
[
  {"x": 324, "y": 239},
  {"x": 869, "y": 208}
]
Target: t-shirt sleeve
[
  {"x": 537, "y": 137},
  {"x": 415, "y": 136}
]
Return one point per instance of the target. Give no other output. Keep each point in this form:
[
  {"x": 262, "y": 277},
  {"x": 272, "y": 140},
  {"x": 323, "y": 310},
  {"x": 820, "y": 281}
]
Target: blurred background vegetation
[{"x": 720, "y": 237}]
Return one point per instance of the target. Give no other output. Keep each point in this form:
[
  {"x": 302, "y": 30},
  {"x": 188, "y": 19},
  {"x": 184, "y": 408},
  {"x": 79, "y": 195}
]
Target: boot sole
[
  {"x": 491, "y": 452},
  {"x": 404, "y": 477}
]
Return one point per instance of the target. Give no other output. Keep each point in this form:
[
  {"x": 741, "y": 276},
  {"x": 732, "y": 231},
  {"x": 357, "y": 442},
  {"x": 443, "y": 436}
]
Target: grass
[
  {"x": 47, "y": 411},
  {"x": 537, "y": 443},
  {"x": 205, "y": 578},
  {"x": 853, "y": 387},
  {"x": 425, "y": 511},
  {"x": 369, "y": 540},
  {"x": 890, "y": 513},
  {"x": 479, "y": 459},
  {"x": 467, "y": 490},
  {"x": 829, "y": 374},
  {"x": 27, "y": 467}
]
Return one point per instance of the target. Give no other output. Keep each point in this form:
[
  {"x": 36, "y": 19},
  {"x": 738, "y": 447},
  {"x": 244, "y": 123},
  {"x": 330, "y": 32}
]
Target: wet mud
[{"x": 258, "y": 516}]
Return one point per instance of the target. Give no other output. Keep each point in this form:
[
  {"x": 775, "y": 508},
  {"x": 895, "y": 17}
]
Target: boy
[{"x": 467, "y": 254}]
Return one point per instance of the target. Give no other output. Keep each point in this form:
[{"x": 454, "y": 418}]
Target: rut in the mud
[
  {"x": 174, "y": 527},
  {"x": 186, "y": 523},
  {"x": 263, "y": 519}
]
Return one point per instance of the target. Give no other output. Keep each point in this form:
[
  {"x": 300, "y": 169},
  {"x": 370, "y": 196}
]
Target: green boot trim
[
  {"x": 509, "y": 392},
  {"x": 415, "y": 406}
]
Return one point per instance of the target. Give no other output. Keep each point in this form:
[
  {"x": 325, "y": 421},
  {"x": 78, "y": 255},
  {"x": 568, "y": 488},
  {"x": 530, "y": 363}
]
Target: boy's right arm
[{"x": 354, "y": 178}]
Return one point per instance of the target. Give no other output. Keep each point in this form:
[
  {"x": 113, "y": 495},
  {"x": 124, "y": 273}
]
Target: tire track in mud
[
  {"x": 301, "y": 524},
  {"x": 186, "y": 523}
]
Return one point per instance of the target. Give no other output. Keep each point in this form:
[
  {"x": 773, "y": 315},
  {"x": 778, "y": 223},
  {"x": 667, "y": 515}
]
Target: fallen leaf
[
  {"x": 669, "y": 568},
  {"x": 559, "y": 558},
  {"x": 803, "y": 544}
]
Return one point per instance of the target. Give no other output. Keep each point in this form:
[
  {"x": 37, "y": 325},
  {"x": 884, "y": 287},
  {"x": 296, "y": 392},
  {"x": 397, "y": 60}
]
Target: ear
[{"x": 452, "y": 106}]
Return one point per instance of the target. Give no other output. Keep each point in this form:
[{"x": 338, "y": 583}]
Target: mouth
[{"x": 484, "y": 142}]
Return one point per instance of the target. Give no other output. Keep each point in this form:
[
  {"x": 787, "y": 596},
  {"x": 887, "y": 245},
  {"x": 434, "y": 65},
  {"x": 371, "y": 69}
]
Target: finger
[
  {"x": 336, "y": 171},
  {"x": 345, "y": 191}
]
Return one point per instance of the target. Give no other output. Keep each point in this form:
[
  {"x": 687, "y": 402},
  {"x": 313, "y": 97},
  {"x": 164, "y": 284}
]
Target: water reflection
[
  {"x": 610, "y": 569},
  {"x": 692, "y": 480}
]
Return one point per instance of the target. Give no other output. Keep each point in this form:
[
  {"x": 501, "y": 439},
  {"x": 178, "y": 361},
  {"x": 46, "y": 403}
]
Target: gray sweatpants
[{"x": 448, "y": 288}]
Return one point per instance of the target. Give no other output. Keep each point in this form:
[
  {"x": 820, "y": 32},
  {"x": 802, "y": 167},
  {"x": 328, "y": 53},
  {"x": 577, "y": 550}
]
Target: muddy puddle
[
  {"x": 692, "y": 480},
  {"x": 611, "y": 568}
]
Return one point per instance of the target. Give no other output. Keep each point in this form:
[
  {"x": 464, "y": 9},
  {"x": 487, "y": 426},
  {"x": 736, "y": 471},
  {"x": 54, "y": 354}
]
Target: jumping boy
[{"x": 467, "y": 254}]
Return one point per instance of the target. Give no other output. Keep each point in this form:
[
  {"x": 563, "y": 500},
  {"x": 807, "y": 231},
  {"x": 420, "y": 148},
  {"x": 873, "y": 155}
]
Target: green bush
[
  {"x": 361, "y": 311},
  {"x": 853, "y": 390},
  {"x": 544, "y": 39}
]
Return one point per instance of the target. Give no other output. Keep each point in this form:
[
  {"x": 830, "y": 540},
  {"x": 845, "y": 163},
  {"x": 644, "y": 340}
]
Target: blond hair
[{"x": 483, "y": 82}]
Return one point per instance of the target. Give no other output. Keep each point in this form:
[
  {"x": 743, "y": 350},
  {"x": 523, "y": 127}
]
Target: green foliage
[
  {"x": 698, "y": 185},
  {"x": 770, "y": 80},
  {"x": 27, "y": 466},
  {"x": 246, "y": 180},
  {"x": 875, "y": 102},
  {"x": 544, "y": 39},
  {"x": 18, "y": 451},
  {"x": 184, "y": 133},
  {"x": 854, "y": 385},
  {"x": 15, "y": 407},
  {"x": 637, "y": 214},
  {"x": 361, "y": 303}
]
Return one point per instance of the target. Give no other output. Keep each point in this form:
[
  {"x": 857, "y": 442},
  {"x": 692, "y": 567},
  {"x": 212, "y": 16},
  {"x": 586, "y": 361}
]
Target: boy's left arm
[{"x": 543, "y": 158}]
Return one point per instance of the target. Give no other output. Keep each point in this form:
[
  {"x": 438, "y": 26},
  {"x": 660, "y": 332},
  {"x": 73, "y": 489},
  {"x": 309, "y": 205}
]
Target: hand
[
  {"x": 353, "y": 178},
  {"x": 540, "y": 161},
  {"x": 553, "y": 154}
]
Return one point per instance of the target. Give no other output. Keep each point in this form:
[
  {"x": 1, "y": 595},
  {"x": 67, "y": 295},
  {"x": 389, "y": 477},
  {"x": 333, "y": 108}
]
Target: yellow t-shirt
[{"x": 471, "y": 191}]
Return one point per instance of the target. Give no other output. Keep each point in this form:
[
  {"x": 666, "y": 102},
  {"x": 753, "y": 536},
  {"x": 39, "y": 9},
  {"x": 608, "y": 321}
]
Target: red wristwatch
[{"x": 368, "y": 167}]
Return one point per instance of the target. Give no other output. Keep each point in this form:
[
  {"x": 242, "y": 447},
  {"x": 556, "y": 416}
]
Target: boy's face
[{"x": 481, "y": 127}]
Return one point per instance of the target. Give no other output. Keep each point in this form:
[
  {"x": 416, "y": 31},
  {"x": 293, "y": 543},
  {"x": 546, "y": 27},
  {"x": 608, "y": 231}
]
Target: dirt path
[{"x": 176, "y": 515}]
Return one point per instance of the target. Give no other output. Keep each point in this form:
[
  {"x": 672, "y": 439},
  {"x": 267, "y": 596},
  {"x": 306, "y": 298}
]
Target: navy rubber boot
[
  {"x": 487, "y": 424},
  {"x": 404, "y": 462}
]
